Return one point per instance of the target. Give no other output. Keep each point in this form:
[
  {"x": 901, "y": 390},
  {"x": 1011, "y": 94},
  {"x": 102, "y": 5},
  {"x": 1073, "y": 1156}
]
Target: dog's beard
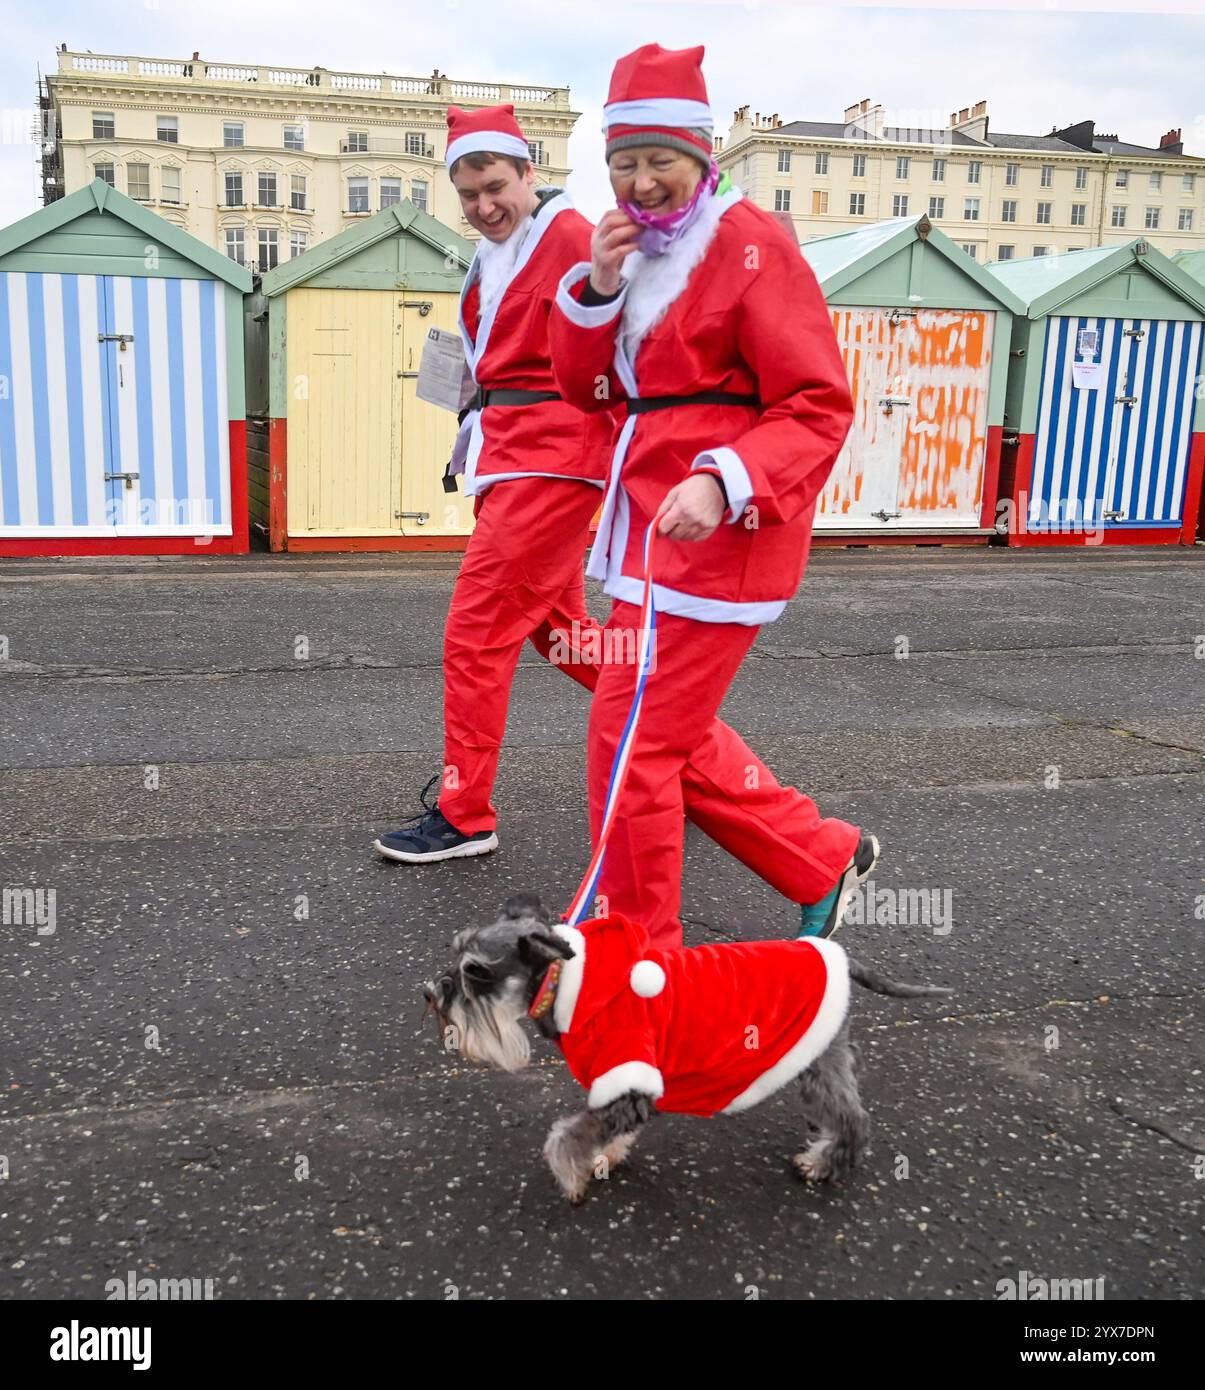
[{"x": 489, "y": 1030}]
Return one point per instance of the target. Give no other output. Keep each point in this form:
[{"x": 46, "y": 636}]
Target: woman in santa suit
[{"x": 698, "y": 313}]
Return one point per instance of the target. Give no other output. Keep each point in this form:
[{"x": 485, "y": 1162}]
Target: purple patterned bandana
[{"x": 662, "y": 229}]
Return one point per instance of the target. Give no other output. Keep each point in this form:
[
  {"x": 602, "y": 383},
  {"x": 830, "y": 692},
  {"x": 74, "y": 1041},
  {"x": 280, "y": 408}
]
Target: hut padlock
[
  {"x": 889, "y": 402},
  {"x": 127, "y": 478}
]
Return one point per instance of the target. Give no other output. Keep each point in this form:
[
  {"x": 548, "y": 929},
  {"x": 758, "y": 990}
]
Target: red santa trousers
[{"x": 775, "y": 830}]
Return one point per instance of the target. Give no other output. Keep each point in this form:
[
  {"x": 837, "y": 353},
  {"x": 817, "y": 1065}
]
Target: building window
[
  {"x": 784, "y": 161},
  {"x": 298, "y": 243},
  {"x": 859, "y": 166},
  {"x": 294, "y": 137},
  {"x": 167, "y": 128},
  {"x": 1189, "y": 184},
  {"x": 1185, "y": 220},
  {"x": 297, "y": 198},
  {"x": 103, "y": 126},
  {"x": 104, "y": 172},
  {"x": 1012, "y": 172},
  {"x": 1079, "y": 214},
  {"x": 1041, "y": 250},
  {"x": 819, "y": 201},
  {"x": 236, "y": 245},
  {"x": 1008, "y": 210},
  {"x": 782, "y": 200},
  {"x": 269, "y": 248},
  {"x": 902, "y": 164},
  {"x": 138, "y": 181},
  {"x": 821, "y": 162},
  {"x": 975, "y": 171},
  {"x": 857, "y": 204},
  {"x": 899, "y": 205},
  {"x": 1047, "y": 175},
  {"x": 1081, "y": 176},
  {"x": 1152, "y": 219},
  {"x": 1006, "y": 253},
  {"x": 391, "y": 192},
  {"x": 357, "y": 142},
  {"x": 939, "y": 171},
  {"x": 1042, "y": 216},
  {"x": 232, "y": 135},
  {"x": 1119, "y": 216},
  {"x": 234, "y": 190},
  {"x": 1156, "y": 185},
  {"x": 972, "y": 249},
  {"x": 357, "y": 195},
  {"x": 937, "y": 208},
  {"x": 418, "y": 194},
  {"x": 169, "y": 184},
  {"x": 535, "y": 149},
  {"x": 1123, "y": 179},
  {"x": 970, "y": 209},
  {"x": 267, "y": 189}
]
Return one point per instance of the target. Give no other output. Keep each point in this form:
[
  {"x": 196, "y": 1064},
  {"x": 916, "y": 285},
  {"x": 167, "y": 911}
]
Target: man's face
[
  {"x": 495, "y": 199},
  {"x": 654, "y": 177}
]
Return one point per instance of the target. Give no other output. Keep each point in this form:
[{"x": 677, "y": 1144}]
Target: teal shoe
[{"x": 823, "y": 918}]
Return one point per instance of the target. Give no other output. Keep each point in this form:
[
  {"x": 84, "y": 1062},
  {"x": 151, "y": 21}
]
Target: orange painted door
[{"x": 915, "y": 454}]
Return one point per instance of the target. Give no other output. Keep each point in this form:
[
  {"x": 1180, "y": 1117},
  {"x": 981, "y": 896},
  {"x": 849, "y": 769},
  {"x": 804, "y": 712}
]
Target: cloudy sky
[{"x": 1135, "y": 68}]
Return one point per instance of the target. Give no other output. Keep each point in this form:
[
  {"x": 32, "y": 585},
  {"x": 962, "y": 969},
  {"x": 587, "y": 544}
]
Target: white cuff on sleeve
[
  {"x": 737, "y": 483},
  {"x": 628, "y": 1076},
  {"x": 587, "y": 315}
]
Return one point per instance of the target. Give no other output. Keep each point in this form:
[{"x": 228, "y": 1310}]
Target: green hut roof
[
  {"x": 99, "y": 197},
  {"x": 1043, "y": 283}
]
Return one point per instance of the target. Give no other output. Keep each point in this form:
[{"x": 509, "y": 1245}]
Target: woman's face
[{"x": 654, "y": 177}]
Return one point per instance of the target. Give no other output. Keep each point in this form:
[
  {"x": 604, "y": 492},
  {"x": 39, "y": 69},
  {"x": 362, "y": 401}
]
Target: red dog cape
[{"x": 704, "y": 1030}]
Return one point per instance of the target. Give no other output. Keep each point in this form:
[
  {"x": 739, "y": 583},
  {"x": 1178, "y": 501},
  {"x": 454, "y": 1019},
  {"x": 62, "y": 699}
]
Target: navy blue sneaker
[
  {"x": 823, "y": 918},
  {"x": 429, "y": 835}
]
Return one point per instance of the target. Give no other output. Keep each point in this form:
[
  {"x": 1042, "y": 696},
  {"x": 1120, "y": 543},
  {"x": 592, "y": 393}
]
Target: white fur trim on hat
[
  {"x": 487, "y": 142},
  {"x": 647, "y": 979},
  {"x": 664, "y": 111}
]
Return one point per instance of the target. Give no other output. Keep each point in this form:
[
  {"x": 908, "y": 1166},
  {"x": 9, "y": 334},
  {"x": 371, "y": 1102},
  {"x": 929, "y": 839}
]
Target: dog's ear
[
  {"x": 541, "y": 948},
  {"x": 526, "y": 905}
]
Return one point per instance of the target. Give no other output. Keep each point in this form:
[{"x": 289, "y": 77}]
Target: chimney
[
  {"x": 971, "y": 121},
  {"x": 862, "y": 116},
  {"x": 1172, "y": 143}
]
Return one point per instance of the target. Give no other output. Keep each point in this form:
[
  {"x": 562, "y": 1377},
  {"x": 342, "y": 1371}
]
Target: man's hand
[
  {"x": 692, "y": 508},
  {"x": 614, "y": 240}
]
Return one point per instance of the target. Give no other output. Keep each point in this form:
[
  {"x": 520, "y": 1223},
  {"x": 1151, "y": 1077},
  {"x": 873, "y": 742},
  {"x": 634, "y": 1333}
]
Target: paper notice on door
[
  {"x": 443, "y": 374},
  {"x": 1085, "y": 376}
]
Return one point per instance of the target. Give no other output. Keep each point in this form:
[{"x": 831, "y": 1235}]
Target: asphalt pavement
[{"x": 214, "y": 1064}]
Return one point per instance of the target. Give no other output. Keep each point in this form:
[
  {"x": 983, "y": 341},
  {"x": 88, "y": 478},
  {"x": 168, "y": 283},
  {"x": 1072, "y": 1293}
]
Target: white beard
[
  {"x": 654, "y": 282},
  {"x": 496, "y": 260}
]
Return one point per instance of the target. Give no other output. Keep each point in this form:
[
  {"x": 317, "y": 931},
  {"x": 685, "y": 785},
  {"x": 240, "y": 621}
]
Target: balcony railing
[
  {"x": 439, "y": 87},
  {"x": 383, "y": 144}
]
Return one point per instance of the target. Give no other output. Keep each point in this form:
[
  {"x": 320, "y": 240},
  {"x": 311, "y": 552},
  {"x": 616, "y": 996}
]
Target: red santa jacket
[
  {"x": 731, "y": 307},
  {"x": 509, "y": 348},
  {"x": 702, "y": 1030}
]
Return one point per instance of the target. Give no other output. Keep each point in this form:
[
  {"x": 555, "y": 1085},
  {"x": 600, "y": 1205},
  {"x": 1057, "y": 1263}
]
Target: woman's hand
[
  {"x": 692, "y": 508},
  {"x": 614, "y": 239}
]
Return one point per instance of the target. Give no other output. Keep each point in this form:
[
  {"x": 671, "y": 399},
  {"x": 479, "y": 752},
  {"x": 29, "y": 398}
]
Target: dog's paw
[
  {"x": 618, "y": 1149},
  {"x": 562, "y": 1154},
  {"x": 813, "y": 1165}
]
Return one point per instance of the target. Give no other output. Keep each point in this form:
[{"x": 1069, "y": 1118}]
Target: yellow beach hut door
[{"x": 366, "y": 456}]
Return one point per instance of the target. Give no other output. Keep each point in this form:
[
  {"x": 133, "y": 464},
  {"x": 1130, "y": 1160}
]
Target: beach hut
[
  {"x": 344, "y": 456},
  {"x": 924, "y": 332},
  {"x": 121, "y": 384},
  {"x": 1106, "y": 436}
]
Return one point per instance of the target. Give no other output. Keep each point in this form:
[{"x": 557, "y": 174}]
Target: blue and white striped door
[
  {"x": 1117, "y": 454},
  {"x": 75, "y": 406}
]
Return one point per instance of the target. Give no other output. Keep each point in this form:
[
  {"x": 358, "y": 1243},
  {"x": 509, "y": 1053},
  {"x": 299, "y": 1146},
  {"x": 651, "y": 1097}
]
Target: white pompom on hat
[{"x": 647, "y": 979}]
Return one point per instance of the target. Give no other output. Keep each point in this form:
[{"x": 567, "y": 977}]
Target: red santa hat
[
  {"x": 491, "y": 130},
  {"x": 658, "y": 97}
]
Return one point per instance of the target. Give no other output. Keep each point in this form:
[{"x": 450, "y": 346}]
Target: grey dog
[{"x": 481, "y": 1003}]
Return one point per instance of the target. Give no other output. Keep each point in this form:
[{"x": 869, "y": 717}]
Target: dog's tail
[{"x": 871, "y": 979}]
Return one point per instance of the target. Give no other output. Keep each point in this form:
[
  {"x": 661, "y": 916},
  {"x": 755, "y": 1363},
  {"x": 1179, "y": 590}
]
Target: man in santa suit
[
  {"x": 536, "y": 466},
  {"x": 708, "y": 329}
]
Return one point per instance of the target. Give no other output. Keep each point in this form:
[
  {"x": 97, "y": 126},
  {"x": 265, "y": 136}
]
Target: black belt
[
  {"x": 485, "y": 395},
  {"x": 639, "y": 405}
]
